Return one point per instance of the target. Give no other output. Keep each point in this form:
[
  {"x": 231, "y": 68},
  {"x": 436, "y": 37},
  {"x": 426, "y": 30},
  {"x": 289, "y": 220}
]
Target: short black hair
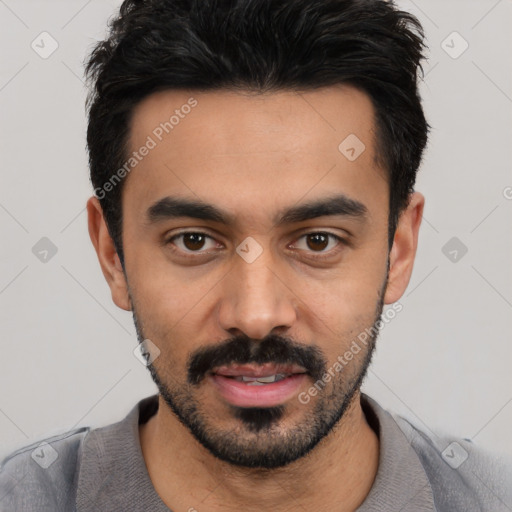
[{"x": 257, "y": 46}]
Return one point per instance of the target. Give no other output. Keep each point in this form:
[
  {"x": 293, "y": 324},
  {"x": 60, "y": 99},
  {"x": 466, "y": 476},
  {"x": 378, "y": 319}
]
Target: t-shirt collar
[{"x": 113, "y": 473}]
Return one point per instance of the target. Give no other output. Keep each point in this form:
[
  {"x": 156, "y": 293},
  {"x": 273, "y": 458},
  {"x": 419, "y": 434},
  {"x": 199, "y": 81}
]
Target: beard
[{"x": 261, "y": 438}]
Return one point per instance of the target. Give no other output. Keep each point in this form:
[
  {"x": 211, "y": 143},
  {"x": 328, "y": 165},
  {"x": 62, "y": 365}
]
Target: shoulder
[
  {"x": 462, "y": 475},
  {"x": 43, "y": 475},
  {"x": 57, "y": 473}
]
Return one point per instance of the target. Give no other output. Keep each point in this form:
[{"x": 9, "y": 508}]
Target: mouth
[{"x": 266, "y": 385}]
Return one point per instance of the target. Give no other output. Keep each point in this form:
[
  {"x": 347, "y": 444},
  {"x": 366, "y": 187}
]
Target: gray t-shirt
[{"x": 102, "y": 469}]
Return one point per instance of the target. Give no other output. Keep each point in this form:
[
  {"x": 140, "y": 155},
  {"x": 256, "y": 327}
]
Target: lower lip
[{"x": 268, "y": 395}]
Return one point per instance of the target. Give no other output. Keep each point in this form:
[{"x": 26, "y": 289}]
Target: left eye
[
  {"x": 193, "y": 242},
  {"x": 317, "y": 242}
]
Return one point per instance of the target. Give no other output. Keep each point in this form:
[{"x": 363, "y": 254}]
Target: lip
[
  {"x": 265, "y": 370},
  {"x": 268, "y": 395}
]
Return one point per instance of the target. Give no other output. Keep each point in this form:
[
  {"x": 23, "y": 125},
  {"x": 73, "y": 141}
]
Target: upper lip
[{"x": 265, "y": 370}]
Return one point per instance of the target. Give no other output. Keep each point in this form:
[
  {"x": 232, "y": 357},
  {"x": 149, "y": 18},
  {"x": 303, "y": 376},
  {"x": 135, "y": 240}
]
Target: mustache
[{"x": 243, "y": 350}]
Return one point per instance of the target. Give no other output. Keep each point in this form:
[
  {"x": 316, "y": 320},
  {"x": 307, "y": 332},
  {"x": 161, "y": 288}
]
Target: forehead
[{"x": 237, "y": 149}]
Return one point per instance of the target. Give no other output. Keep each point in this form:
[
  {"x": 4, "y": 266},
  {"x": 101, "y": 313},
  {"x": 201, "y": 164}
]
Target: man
[{"x": 254, "y": 165}]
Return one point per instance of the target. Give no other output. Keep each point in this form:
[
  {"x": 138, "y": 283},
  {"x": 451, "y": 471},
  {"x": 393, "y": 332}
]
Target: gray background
[{"x": 67, "y": 350}]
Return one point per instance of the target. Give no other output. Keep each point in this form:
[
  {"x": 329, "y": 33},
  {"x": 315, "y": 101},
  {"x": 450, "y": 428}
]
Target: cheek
[
  {"x": 344, "y": 296},
  {"x": 341, "y": 310},
  {"x": 167, "y": 293},
  {"x": 173, "y": 310},
  {"x": 349, "y": 341}
]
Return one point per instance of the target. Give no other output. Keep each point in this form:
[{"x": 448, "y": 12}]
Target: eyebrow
[{"x": 173, "y": 208}]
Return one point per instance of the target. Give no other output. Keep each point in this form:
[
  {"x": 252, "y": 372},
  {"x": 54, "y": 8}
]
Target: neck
[{"x": 336, "y": 475}]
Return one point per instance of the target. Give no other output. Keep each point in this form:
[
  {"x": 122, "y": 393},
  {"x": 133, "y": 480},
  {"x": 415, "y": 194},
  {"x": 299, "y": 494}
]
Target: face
[{"x": 256, "y": 252}]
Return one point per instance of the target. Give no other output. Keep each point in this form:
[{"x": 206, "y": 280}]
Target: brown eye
[
  {"x": 194, "y": 241},
  {"x": 317, "y": 241}
]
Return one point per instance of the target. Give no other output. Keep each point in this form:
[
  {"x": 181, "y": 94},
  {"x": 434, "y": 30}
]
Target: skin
[{"x": 254, "y": 156}]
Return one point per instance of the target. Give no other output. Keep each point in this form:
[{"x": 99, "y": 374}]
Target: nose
[{"x": 256, "y": 300}]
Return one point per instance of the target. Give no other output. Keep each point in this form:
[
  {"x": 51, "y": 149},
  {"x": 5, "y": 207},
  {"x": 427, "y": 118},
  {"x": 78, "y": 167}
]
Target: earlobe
[
  {"x": 107, "y": 254},
  {"x": 403, "y": 251}
]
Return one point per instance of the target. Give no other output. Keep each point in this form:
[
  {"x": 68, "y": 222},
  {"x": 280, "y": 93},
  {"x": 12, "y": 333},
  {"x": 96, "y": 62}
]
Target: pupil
[
  {"x": 317, "y": 241},
  {"x": 194, "y": 241}
]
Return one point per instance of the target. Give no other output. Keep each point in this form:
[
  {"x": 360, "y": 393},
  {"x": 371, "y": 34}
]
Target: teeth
[
  {"x": 259, "y": 381},
  {"x": 264, "y": 380}
]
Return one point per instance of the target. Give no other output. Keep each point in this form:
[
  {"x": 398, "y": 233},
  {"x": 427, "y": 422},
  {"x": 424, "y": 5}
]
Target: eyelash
[{"x": 316, "y": 256}]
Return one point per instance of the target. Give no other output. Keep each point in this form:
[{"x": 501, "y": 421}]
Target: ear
[
  {"x": 107, "y": 254},
  {"x": 403, "y": 251}
]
